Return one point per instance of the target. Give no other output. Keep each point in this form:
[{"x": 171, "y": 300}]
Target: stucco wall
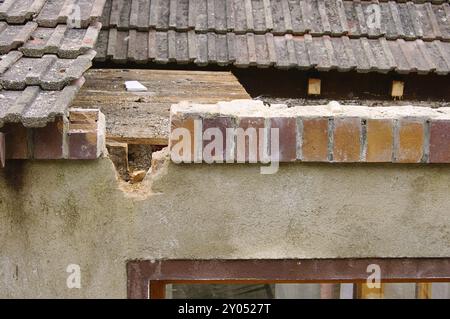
[{"x": 56, "y": 213}]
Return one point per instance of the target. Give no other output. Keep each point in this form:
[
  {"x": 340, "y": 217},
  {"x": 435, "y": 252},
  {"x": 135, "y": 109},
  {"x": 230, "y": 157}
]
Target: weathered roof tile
[
  {"x": 13, "y": 36},
  {"x": 285, "y": 51},
  {"x": 335, "y": 34},
  {"x": 45, "y": 47},
  {"x": 373, "y": 19},
  {"x": 34, "y": 107},
  {"x": 63, "y": 41},
  {"x": 9, "y": 59},
  {"x": 48, "y": 72},
  {"x": 19, "y": 11},
  {"x": 76, "y": 13}
]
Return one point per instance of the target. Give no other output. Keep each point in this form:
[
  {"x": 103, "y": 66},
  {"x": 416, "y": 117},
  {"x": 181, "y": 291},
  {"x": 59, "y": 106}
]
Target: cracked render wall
[{"x": 56, "y": 213}]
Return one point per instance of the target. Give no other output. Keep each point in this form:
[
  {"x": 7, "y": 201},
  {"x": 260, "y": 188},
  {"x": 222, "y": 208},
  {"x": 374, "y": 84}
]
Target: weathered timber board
[{"x": 143, "y": 117}]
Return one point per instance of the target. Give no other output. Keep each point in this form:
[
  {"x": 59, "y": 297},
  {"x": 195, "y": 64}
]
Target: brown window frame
[{"x": 147, "y": 279}]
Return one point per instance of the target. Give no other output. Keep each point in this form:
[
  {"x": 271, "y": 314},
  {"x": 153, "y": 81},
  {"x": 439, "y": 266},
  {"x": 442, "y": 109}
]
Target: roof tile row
[
  {"x": 49, "y": 72},
  {"x": 52, "y": 12},
  {"x": 13, "y": 36},
  {"x": 66, "y": 42},
  {"x": 34, "y": 107},
  {"x": 45, "y": 47},
  {"x": 36, "y": 41},
  {"x": 20, "y": 11},
  {"x": 73, "y": 12},
  {"x": 428, "y": 20},
  {"x": 264, "y": 50}
]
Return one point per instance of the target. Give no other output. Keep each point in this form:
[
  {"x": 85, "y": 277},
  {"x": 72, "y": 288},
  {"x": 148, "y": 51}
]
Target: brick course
[
  {"x": 255, "y": 152},
  {"x": 287, "y": 130},
  {"x": 83, "y": 137},
  {"x": 315, "y": 139},
  {"x": 347, "y": 139},
  {"x": 48, "y": 141},
  {"x": 440, "y": 142},
  {"x": 380, "y": 140},
  {"x": 336, "y": 133},
  {"x": 410, "y": 141},
  {"x": 16, "y": 141}
]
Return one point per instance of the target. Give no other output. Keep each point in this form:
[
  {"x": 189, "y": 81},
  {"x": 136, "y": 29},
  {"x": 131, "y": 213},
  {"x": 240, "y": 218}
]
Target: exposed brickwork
[
  {"x": 82, "y": 145},
  {"x": 287, "y": 127},
  {"x": 82, "y": 138},
  {"x": 16, "y": 141},
  {"x": 187, "y": 124},
  {"x": 250, "y": 153},
  {"x": 85, "y": 138},
  {"x": 410, "y": 141},
  {"x": 440, "y": 142},
  {"x": 347, "y": 139},
  {"x": 380, "y": 140},
  {"x": 315, "y": 140},
  {"x": 221, "y": 123},
  {"x": 48, "y": 141},
  {"x": 336, "y": 133}
]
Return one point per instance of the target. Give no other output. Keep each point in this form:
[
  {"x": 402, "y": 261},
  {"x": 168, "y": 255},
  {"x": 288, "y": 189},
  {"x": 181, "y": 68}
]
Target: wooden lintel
[
  {"x": 143, "y": 117},
  {"x": 160, "y": 141}
]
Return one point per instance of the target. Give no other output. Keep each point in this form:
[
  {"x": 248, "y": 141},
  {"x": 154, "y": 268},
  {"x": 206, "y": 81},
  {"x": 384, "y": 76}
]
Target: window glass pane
[
  {"x": 400, "y": 291},
  {"x": 251, "y": 291},
  {"x": 297, "y": 291},
  {"x": 304, "y": 291},
  {"x": 440, "y": 290}
]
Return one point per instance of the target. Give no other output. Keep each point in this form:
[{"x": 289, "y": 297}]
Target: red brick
[
  {"x": 347, "y": 139},
  {"x": 48, "y": 141},
  {"x": 287, "y": 137},
  {"x": 440, "y": 142},
  {"x": 380, "y": 138},
  {"x": 82, "y": 145},
  {"x": 16, "y": 140},
  {"x": 187, "y": 124},
  {"x": 410, "y": 141},
  {"x": 221, "y": 123},
  {"x": 250, "y": 122},
  {"x": 315, "y": 140}
]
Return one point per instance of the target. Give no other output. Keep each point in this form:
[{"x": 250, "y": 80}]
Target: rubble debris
[{"x": 137, "y": 176}]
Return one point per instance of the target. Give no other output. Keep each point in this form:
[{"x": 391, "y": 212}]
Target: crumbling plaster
[{"x": 57, "y": 213}]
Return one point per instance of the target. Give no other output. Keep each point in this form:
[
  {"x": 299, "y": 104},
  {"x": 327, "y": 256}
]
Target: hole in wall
[{"x": 132, "y": 161}]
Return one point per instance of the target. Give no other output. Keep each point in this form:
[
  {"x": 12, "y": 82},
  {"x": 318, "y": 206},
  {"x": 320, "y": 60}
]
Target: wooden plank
[
  {"x": 423, "y": 290},
  {"x": 143, "y": 118}
]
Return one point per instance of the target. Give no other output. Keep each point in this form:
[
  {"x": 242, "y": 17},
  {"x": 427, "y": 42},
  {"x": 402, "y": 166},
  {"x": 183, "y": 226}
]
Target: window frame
[{"x": 147, "y": 279}]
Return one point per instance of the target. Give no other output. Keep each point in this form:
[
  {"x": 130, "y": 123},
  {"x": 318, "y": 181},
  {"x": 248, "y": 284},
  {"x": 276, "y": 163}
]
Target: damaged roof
[
  {"x": 366, "y": 36},
  {"x": 45, "y": 47}
]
